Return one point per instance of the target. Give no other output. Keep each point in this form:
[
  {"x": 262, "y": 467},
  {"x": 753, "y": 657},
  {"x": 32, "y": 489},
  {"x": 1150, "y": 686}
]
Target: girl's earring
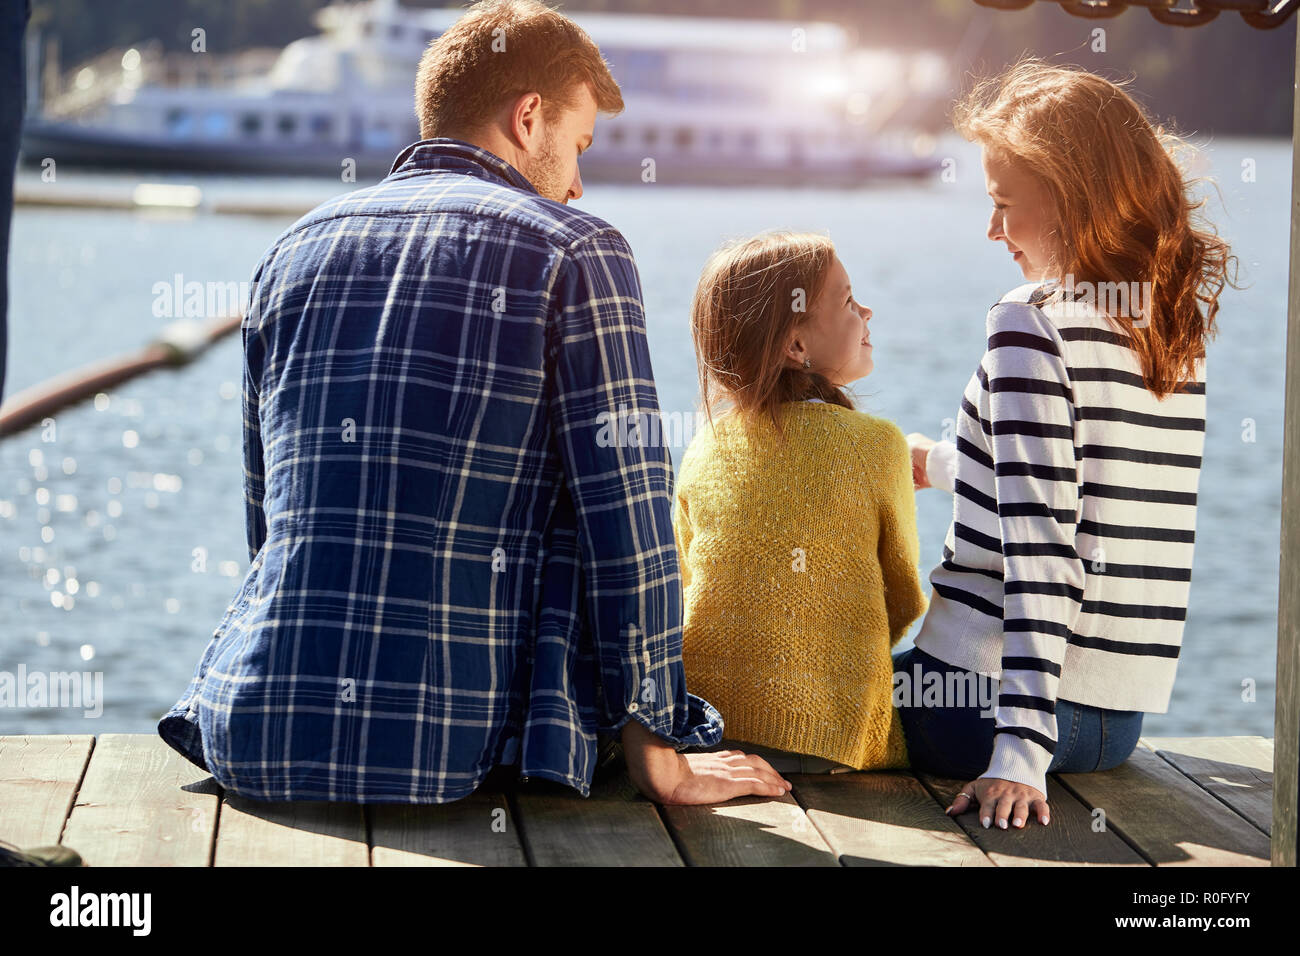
[{"x": 807, "y": 363}]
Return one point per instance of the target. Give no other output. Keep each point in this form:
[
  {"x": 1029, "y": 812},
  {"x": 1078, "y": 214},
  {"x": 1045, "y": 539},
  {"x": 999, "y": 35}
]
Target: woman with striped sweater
[{"x": 1074, "y": 472}]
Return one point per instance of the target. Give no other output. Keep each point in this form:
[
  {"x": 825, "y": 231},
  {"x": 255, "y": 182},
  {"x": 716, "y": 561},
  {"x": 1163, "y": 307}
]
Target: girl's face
[
  {"x": 1022, "y": 212},
  {"x": 834, "y": 337}
]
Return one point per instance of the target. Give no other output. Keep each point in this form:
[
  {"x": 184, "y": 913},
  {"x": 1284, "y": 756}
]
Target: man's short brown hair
[{"x": 499, "y": 50}]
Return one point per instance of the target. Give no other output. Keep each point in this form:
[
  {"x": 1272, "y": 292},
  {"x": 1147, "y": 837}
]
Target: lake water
[{"x": 122, "y": 540}]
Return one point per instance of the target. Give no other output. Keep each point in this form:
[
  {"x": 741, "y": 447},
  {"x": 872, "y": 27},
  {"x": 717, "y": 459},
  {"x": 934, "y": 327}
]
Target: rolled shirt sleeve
[{"x": 605, "y": 412}]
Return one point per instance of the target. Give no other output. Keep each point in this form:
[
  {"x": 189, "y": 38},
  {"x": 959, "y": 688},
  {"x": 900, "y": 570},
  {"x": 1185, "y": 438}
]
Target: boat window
[
  {"x": 396, "y": 32},
  {"x": 216, "y": 125},
  {"x": 637, "y": 69},
  {"x": 321, "y": 126},
  {"x": 683, "y": 137},
  {"x": 286, "y": 124},
  {"x": 378, "y": 135},
  {"x": 178, "y": 121},
  {"x": 651, "y": 136},
  {"x": 616, "y": 135},
  {"x": 250, "y": 124}
]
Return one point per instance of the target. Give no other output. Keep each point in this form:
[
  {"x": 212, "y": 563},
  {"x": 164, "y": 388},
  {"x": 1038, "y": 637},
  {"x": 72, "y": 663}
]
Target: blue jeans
[{"x": 957, "y": 741}]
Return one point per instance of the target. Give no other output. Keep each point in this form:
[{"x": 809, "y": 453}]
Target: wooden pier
[{"x": 129, "y": 800}]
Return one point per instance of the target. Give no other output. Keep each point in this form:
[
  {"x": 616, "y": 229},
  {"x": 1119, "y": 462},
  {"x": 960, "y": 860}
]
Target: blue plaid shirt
[{"x": 451, "y": 567}]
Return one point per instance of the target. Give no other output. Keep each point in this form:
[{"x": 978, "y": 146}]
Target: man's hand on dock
[{"x": 668, "y": 777}]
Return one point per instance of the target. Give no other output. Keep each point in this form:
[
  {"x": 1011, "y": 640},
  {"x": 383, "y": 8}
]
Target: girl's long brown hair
[
  {"x": 748, "y": 300},
  {"x": 1122, "y": 206}
]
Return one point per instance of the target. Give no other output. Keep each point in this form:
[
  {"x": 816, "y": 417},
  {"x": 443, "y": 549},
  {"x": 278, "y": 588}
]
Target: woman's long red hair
[{"x": 1123, "y": 211}]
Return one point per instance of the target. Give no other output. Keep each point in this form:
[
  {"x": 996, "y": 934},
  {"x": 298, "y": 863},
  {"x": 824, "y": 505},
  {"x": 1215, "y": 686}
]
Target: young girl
[
  {"x": 1079, "y": 438},
  {"x": 794, "y": 514}
]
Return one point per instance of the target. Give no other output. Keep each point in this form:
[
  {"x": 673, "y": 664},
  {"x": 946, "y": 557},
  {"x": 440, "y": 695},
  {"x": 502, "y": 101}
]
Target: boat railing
[{"x": 95, "y": 82}]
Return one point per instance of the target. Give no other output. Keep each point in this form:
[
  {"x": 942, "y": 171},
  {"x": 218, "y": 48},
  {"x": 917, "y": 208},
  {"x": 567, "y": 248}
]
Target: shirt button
[{"x": 632, "y": 707}]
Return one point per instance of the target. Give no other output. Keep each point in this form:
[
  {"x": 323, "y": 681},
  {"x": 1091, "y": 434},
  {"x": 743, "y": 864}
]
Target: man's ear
[{"x": 525, "y": 119}]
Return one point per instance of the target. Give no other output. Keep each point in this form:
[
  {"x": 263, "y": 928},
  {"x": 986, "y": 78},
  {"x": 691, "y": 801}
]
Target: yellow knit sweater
[{"x": 799, "y": 564}]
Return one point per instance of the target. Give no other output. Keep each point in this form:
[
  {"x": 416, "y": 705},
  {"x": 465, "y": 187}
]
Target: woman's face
[
  {"x": 1022, "y": 214},
  {"x": 834, "y": 337}
]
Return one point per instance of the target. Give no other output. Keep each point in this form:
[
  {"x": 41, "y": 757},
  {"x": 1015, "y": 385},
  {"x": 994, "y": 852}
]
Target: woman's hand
[
  {"x": 999, "y": 799},
  {"x": 920, "y": 446}
]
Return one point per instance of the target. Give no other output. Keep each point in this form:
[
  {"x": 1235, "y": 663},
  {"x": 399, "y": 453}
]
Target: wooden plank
[
  {"x": 749, "y": 831},
  {"x": 884, "y": 818},
  {"x": 143, "y": 804},
  {"x": 1286, "y": 713},
  {"x": 39, "y": 776},
  {"x": 1068, "y": 840},
  {"x": 477, "y": 830},
  {"x": 1197, "y": 801},
  {"x": 615, "y": 826},
  {"x": 1236, "y": 770},
  {"x": 297, "y": 833},
  {"x": 1168, "y": 817}
]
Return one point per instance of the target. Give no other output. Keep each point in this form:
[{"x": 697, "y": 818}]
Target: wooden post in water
[{"x": 1286, "y": 719}]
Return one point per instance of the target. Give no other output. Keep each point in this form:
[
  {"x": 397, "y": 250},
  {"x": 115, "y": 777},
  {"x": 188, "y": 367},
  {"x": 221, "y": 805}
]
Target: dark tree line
[{"x": 1224, "y": 78}]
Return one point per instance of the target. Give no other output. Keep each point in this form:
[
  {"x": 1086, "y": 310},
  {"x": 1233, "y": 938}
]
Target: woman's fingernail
[
  {"x": 1017, "y": 822},
  {"x": 1002, "y": 823},
  {"x": 986, "y": 821},
  {"x": 1043, "y": 819}
]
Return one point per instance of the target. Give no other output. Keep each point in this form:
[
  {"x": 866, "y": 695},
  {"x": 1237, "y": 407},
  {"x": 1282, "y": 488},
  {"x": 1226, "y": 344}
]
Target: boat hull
[{"x": 81, "y": 145}]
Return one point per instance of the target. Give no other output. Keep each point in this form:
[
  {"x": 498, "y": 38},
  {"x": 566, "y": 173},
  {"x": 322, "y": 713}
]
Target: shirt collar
[
  {"x": 444, "y": 152},
  {"x": 1051, "y": 288}
]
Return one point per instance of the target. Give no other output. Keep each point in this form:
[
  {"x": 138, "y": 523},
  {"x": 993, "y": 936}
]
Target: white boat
[{"x": 708, "y": 100}]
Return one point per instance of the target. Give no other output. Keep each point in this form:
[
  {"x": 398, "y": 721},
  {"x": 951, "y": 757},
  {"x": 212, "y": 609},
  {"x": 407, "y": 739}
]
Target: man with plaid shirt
[{"x": 451, "y": 571}]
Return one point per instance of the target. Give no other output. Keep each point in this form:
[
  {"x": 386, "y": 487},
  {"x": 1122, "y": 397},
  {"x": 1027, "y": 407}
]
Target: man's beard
[{"x": 544, "y": 171}]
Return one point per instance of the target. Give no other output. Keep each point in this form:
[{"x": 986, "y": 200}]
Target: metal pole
[{"x": 1286, "y": 719}]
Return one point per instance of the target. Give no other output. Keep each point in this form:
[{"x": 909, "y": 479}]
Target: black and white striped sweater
[{"x": 1068, "y": 563}]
